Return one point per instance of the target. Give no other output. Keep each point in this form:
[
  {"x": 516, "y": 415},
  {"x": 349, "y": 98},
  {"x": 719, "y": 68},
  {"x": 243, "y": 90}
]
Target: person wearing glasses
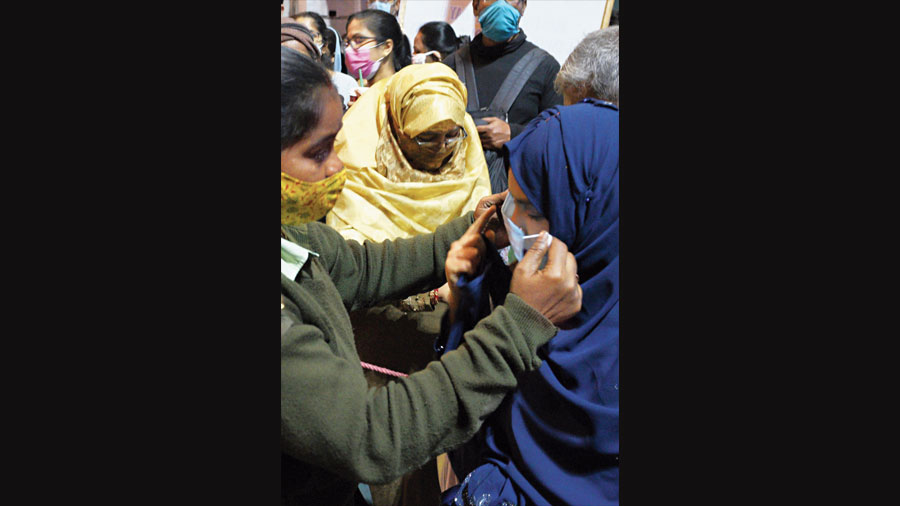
[
  {"x": 405, "y": 131},
  {"x": 335, "y": 430},
  {"x": 298, "y": 38},
  {"x": 315, "y": 24},
  {"x": 374, "y": 48},
  {"x": 320, "y": 31},
  {"x": 413, "y": 162}
]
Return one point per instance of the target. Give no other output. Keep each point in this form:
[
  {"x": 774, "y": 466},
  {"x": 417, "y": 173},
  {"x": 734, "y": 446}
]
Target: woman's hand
[
  {"x": 553, "y": 291},
  {"x": 495, "y": 133},
  {"x": 357, "y": 92},
  {"x": 495, "y": 231},
  {"x": 465, "y": 255}
]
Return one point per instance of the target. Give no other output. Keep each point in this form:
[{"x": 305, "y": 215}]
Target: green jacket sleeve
[
  {"x": 368, "y": 273},
  {"x": 330, "y": 418}
]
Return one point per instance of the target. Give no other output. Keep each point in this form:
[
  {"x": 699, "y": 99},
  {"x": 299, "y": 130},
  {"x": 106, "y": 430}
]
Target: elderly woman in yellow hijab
[
  {"x": 414, "y": 161},
  {"x": 412, "y": 154}
]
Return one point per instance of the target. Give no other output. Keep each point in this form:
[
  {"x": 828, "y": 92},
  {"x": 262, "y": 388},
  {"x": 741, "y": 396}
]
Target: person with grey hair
[{"x": 592, "y": 70}]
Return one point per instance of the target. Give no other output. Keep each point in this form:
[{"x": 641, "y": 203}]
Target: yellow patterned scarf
[{"x": 385, "y": 197}]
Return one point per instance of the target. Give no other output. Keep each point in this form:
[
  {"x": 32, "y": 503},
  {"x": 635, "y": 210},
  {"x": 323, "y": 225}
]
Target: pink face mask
[{"x": 358, "y": 61}]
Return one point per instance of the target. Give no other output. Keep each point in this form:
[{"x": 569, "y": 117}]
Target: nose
[{"x": 333, "y": 165}]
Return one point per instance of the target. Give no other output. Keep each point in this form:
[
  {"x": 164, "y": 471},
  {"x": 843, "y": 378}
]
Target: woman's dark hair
[
  {"x": 317, "y": 19},
  {"x": 439, "y": 36},
  {"x": 303, "y": 82},
  {"x": 385, "y": 26}
]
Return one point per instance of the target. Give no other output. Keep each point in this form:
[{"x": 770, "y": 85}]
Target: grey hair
[{"x": 592, "y": 70}]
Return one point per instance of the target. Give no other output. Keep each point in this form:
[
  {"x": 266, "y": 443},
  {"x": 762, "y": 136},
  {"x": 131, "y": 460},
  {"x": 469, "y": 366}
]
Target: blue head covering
[
  {"x": 567, "y": 163},
  {"x": 556, "y": 437}
]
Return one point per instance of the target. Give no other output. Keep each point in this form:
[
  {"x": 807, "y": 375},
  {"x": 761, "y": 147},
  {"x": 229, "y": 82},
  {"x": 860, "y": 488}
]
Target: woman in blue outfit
[{"x": 555, "y": 440}]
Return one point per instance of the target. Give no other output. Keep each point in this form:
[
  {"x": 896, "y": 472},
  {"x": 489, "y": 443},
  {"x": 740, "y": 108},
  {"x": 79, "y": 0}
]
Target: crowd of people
[{"x": 450, "y": 289}]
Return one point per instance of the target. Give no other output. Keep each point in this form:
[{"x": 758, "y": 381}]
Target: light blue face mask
[
  {"x": 337, "y": 50},
  {"x": 518, "y": 241},
  {"x": 381, "y": 6},
  {"x": 500, "y": 21}
]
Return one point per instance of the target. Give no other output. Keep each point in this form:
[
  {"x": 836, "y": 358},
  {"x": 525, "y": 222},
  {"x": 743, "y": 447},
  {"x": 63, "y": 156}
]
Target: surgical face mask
[
  {"x": 421, "y": 57},
  {"x": 500, "y": 21},
  {"x": 381, "y": 6},
  {"x": 518, "y": 241},
  {"x": 337, "y": 50},
  {"x": 358, "y": 62}
]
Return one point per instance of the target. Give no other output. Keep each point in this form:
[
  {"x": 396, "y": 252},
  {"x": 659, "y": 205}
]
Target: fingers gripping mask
[
  {"x": 303, "y": 202},
  {"x": 500, "y": 21},
  {"x": 519, "y": 242}
]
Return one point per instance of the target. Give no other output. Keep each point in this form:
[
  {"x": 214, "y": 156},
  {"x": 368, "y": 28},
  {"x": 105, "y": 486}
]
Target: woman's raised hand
[
  {"x": 466, "y": 253},
  {"x": 553, "y": 291}
]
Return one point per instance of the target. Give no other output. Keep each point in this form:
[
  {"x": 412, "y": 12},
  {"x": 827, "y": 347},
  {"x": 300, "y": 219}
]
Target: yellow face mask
[{"x": 303, "y": 202}]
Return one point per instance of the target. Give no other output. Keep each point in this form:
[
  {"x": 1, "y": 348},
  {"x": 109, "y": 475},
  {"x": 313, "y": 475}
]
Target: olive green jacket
[{"x": 335, "y": 430}]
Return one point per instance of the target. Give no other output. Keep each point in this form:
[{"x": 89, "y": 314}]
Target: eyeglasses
[
  {"x": 356, "y": 41},
  {"x": 433, "y": 140}
]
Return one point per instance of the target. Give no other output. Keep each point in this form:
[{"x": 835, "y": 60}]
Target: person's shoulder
[
  {"x": 320, "y": 232},
  {"x": 313, "y": 236},
  {"x": 450, "y": 60},
  {"x": 296, "y": 234},
  {"x": 548, "y": 59}
]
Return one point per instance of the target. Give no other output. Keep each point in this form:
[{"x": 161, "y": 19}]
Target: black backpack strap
[
  {"x": 516, "y": 80},
  {"x": 466, "y": 72}
]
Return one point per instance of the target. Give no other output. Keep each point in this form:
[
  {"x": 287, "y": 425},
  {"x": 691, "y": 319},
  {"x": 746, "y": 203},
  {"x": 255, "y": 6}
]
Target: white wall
[
  {"x": 556, "y": 26},
  {"x": 456, "y": 12},
  {"x": 344, "y": 9}
]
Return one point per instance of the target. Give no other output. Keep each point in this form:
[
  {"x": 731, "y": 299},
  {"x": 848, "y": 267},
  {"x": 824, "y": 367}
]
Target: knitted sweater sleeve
[
  {"x": 368, "y": 273},
  {"x": 332, "y": 419}
]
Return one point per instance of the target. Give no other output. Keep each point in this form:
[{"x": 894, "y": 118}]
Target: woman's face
[
  {"x": 419, "y": 48},
  {"x": 310, "y": 24},
  {"x": 314, "y": 158},
  {"x": 526, "y": 215},
  {"x": 361, "y": 37},
  {"x": 430, "y": 149}
]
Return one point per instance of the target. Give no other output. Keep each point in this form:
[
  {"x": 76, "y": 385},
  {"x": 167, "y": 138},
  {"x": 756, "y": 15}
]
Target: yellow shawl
[{"x": 384, "y": 197}]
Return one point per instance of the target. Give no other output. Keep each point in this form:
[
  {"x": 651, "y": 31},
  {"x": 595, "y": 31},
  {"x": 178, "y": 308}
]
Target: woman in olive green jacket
[{"x": 335, "y": 430}]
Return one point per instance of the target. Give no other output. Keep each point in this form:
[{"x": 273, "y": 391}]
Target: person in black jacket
[{"x": 493, "y": 54}]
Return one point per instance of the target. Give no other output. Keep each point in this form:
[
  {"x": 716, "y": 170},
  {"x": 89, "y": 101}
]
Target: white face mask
[
  {"x": 381, "y": 6},
  {"x": 519, "y": 242},
  {"x": 420, "y": 57}
]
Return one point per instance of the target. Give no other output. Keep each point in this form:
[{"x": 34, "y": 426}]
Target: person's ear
[{"x": 388, "y": 47}]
